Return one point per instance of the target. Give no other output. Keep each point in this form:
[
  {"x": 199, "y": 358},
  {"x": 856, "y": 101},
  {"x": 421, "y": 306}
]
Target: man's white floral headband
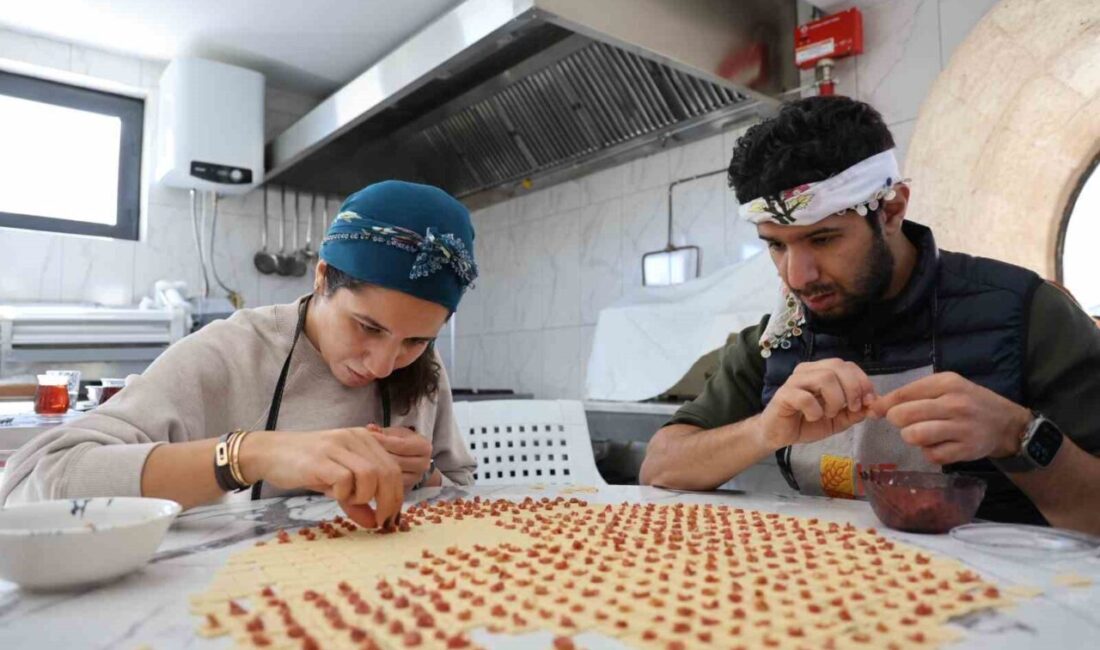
[{"x": 860, "y": 187}]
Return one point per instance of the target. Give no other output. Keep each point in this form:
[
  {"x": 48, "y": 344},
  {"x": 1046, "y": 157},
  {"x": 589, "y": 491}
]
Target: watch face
[{"x": 1044, "y": 443}]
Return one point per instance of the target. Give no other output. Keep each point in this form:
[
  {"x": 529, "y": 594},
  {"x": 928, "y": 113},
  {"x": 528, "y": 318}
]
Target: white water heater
[{"x": 210, "y": 134}]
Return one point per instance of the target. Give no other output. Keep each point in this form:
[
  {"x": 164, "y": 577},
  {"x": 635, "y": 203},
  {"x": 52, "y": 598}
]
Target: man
[{"x": 887, "y": 352}]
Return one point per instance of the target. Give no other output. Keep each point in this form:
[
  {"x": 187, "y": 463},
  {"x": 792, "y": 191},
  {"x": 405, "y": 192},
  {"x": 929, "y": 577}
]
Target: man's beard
[{"x": 869, "y": 285}]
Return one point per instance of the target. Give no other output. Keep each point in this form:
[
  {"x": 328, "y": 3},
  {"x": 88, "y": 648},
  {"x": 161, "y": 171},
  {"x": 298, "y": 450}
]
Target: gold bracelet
[
  {"x": 230, "y": 452},
  {"x": 234, "y": 453},
  {"x": 234, "y": 456}
]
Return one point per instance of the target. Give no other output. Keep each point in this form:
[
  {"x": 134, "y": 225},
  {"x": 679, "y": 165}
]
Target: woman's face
[{"x": 367, "y": 333}]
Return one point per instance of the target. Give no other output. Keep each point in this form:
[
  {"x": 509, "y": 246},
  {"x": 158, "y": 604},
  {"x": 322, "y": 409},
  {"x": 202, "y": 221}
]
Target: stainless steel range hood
[{"x": 498, "y": 95}]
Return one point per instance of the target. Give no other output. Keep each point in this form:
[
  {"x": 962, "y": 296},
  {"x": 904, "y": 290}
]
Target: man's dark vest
[{"x": 958, "y": 313}]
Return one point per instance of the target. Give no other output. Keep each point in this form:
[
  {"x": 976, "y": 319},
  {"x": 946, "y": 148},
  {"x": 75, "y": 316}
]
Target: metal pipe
[
  {"x": 199, "y": 236},
  {"x": 233, "y": 296},
  {"x": 681, "y": 181}
]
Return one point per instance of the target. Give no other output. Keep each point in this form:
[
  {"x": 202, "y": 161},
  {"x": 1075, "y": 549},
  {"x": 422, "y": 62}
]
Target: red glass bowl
[{"x": 923, "y": 502}]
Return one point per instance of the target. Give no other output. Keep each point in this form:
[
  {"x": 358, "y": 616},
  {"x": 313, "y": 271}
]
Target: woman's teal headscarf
[{"x": 413, "y": 238}]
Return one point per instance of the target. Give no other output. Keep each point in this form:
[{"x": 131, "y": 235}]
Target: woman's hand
[
  {"x": 412, "y": 451},
  {"x": 349, "y": 465}
]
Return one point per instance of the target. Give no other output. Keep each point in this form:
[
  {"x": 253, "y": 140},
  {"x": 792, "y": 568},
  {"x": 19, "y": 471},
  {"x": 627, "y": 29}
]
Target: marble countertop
[{"x": 149, "y": 608}]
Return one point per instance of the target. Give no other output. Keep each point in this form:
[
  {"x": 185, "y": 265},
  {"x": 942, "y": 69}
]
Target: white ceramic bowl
[{"x": 77, "y": 542}]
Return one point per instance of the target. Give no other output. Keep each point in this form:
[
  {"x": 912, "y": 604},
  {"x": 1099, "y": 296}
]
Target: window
[
  {"x": 675, "y": 266},
  {"x": 70, "y": 158},
  {"x": 1078, "y": 262}
]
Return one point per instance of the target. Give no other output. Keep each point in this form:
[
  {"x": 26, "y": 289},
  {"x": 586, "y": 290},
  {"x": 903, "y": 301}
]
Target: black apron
[{"x": 277, "y": 397}]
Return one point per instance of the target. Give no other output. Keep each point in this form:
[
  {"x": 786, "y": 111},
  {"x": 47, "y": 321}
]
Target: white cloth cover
[{"x": 648, "y": 340}]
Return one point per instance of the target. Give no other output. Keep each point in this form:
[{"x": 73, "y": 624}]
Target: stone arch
[{"x": 1007, "y": 131}]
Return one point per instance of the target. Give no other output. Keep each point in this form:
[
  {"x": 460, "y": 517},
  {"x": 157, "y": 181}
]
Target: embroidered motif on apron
[{"x": 831, "y": 467}]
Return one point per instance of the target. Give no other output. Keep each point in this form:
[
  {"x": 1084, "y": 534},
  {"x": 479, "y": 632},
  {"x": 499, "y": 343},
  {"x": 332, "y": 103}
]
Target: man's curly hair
[{"x": 808, "y": 141}]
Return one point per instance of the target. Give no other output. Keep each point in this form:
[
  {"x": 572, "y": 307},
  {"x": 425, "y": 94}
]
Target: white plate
[
  {"x": 77, "y": 542},
  {"x": 1027, "y": 542}
]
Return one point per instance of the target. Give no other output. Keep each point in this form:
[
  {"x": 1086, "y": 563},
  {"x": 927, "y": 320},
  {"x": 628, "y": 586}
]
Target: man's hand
[
  {"x": 954, "y": 420},
  {"x": 412, "y": 451},
  {"x": 819, "y": 399}
]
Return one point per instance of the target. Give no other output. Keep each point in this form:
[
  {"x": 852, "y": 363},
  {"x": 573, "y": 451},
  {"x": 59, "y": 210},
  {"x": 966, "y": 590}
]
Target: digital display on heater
[{"x": 221, "y": 173}]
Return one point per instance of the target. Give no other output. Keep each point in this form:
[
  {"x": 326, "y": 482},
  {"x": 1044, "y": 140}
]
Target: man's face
[
  {"x": 366, "y": 333},
  {"x": 836, "y": 267}
]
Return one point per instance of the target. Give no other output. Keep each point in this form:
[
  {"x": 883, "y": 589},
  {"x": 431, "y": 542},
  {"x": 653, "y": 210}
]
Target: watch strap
[
  {"x": 1021, "y": 462},
  {"x": 223, "y": 463}
]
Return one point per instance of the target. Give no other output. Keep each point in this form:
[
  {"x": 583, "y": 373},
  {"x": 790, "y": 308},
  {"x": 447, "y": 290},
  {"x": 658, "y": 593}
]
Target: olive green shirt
[{"x": 1063, "y": 372}]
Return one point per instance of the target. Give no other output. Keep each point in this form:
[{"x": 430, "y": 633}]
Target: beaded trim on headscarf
[
  {"x": 433, "y": 250},
  {"x": 887, "y": 193},
  {"x": 786, "y": 323}
]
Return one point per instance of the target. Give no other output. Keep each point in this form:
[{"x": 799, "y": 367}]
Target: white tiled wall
[
  {"x": 552, "y": 259},
  {"x": 40, "y": 266}
]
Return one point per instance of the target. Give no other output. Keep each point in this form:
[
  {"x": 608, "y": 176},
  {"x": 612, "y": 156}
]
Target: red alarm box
[{"x": 831, "y": 37}]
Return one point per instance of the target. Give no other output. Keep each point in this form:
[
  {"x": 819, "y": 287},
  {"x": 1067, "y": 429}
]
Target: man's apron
[{"x": 832, "y": 467}]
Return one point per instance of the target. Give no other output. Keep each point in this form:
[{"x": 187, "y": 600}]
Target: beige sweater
[{"x": 219, "y": 379}]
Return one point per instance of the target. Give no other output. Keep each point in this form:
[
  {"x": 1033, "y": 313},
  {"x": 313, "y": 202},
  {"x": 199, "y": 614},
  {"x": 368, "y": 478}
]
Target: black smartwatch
[{"x": 1038, "y": 446}]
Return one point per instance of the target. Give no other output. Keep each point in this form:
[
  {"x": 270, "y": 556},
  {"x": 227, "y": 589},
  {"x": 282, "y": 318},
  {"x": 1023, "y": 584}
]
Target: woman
[{"x": 340, "y": 393}]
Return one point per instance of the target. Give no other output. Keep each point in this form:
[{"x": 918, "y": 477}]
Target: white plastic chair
[{"x": 521, "y": 442}]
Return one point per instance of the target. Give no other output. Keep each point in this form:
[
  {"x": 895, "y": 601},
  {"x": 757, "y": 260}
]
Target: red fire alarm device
[{"x": 831, "y": 37}]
